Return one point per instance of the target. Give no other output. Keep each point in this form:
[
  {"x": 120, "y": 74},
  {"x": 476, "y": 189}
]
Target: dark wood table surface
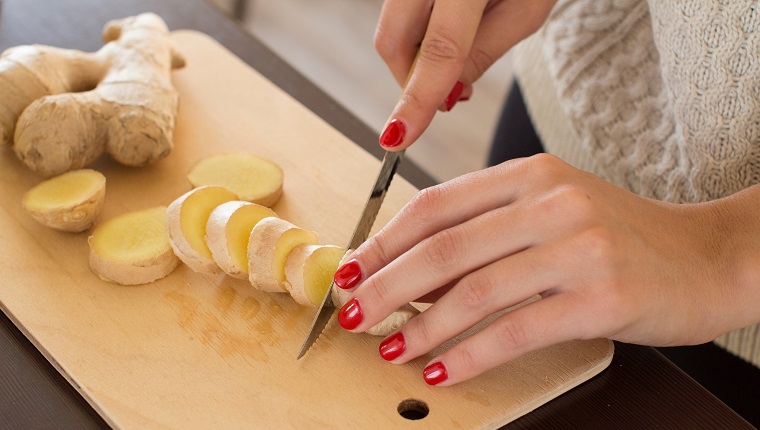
[{"x": 641, "y": 389}]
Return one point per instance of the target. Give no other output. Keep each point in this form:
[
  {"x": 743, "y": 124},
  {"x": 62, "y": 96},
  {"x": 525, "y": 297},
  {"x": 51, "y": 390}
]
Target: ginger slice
[
  {"x": 69, "y": 202},
  {"x": 227, "y": 231},
  {"x": 132, "y": 248},
  {"x": 309, "y": 269},
  {"x": 252, "y": 178},
  {"x": 186, "y": 221},
  {"x": 271, "y": 240}
]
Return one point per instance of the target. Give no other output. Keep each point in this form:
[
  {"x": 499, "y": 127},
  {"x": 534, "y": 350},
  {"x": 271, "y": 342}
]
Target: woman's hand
[
  {"x": 453, "y": 42},
  {"x": 606, "y": 263}
]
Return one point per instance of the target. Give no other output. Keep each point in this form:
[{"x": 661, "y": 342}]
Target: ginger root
[
  {"x": 270, "y": 242},
  {"x": 69, "y": 202},
  {"x": 253, "y": 178},
  {"x": 133, "y": 248},
  {"x": 61, "y": 109},
  {"x": 186, "y": 221},
  {"x": 227, "y": 231},
  {"x": 309, "y": 270}
]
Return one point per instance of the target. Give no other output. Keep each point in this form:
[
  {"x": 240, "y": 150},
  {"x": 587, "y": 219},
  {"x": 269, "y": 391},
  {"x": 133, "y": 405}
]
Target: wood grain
[{"x": 195, "y": 351}]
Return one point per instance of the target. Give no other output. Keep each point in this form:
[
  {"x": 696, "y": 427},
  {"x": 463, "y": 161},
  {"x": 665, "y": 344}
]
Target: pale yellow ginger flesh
[
  {"x": 186, "y": 221},
  {"x": 61, "y": 108},
  {"x": 69, "y": 202},
  {"x": 252, "y": 178},
  {"x": 227, "y": 231},
  {"x": 309, "y": 270},
  {"x": 270, "y": 242},
  {"x": 132, "y": 248}
]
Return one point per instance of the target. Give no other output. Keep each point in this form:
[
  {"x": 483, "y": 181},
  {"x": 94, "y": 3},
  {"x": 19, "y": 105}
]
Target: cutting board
[{"x": 194, "y": 351}]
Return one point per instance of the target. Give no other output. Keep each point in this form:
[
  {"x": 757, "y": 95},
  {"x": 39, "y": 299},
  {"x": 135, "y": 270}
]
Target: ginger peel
[
  {"x": 69, "y": 202},
  {"x": 61, "y": 109}
]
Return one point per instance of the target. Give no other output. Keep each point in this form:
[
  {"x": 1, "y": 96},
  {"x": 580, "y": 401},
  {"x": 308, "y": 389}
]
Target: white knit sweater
[{"x": 661, "y": 97}]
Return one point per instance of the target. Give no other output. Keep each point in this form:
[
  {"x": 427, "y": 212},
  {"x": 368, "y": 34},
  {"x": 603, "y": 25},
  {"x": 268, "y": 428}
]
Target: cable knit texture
[{"x": 664, "y": 95}]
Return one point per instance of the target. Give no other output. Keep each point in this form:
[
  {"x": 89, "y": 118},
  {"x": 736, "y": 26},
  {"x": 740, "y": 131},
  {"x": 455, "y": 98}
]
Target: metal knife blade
[{"x": 361, "y": 232}]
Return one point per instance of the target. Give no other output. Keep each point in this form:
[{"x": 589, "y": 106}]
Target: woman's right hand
[{"x": 447, "y": 45}]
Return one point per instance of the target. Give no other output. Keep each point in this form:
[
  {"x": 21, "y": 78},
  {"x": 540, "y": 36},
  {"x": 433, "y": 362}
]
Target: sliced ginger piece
[
  {"x": 271, "y": 240},
  {"x": 385, "y": 327},
  {"x": 252, "y": 178},
  {"x": 309, "y": 269},
  {"x": 186, "y": 221},
  {"x": 69, "y": 202},
  {"x": 227, "y": 231},
  {"x": 132, "y": 248}
]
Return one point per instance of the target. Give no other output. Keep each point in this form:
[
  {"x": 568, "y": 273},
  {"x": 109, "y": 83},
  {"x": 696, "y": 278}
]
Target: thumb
[{"x": 435, "y": 72}]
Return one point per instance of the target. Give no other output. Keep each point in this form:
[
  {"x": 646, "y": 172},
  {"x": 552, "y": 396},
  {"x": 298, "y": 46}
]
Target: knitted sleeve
[{"x": 664, "y": 94}]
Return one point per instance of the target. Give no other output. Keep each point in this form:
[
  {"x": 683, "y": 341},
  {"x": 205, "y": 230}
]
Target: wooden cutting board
[{"x": 194, "y": 351}]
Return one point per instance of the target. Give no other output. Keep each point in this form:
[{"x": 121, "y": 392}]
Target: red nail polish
[
  {"x": 393, "y": 134},
  {"x": 435, "y": 373},
  {"x": 454, "y": 95},
  {"x": 348, "y": 275},
  {"x": 392, "y": 347},
  {"x": 350, "y": 315}
]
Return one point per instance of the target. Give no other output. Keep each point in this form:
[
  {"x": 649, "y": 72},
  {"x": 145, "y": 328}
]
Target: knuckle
[
  {"x": 475, "y": 291},
  {"x": 385, "y": 45},
  {"x": 378, "y": 250},
  {"x": 480, "y": 60},
  {"x": 466, "y": 360},
  {"x": 441, "y": 47},
  {"x": 423, "y": 330},
  {"x": 379, "y": 291},
  {"x": 427, "y": 204},
  {"x": 510, "y": 333},
  {"x": 442, "y": 249}
]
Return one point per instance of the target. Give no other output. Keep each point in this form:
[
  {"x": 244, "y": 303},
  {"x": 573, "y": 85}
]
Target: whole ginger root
[{"x": 61, "y": 109}]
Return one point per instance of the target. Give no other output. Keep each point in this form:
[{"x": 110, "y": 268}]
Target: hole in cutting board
[{"x": 413, "y": 409}]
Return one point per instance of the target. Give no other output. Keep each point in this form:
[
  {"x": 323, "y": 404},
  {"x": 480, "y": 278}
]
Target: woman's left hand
[{"x": 606, "y": 263}]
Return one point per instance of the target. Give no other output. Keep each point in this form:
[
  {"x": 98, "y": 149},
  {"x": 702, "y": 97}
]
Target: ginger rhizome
[{"x": 61, "y": 109}]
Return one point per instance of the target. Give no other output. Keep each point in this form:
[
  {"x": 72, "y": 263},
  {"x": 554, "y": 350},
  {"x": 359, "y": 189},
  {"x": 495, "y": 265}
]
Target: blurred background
[{"x": 331, "y": 43}]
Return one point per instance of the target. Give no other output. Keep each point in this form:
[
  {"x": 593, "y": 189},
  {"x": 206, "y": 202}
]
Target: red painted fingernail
[
  {"x": 453, "y": 97},
  {"x": 393, "y": 134},
  {"x": 348, "y": 275},
  {"x": 464, "y": 99},
  {"x": 392, "y": 347},
  {"x": 350, "y": 315},
  {"x": 435, "y": 373}
]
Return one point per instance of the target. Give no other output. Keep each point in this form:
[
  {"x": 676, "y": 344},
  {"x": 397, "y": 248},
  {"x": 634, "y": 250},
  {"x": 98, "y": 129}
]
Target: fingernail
[
  {"x": 435, "y": 373},
  {"x": 393, "y": 134},
  {"x": 348, "y": 275},
  {"x": 350, "y": 315},
  {"x": 392, "y": 347},
  {"x": 464, "y": 99},
  {"x": 453, "y": 97}
]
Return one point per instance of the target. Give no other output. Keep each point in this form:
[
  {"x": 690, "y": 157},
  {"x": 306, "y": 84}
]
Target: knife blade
[{"x": 391, "y": 161}]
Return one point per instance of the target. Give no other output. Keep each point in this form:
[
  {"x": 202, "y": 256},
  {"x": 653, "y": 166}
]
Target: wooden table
[{"x": 640, "y": 389}]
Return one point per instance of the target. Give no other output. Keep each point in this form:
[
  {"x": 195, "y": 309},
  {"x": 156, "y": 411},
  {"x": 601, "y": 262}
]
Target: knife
[{"x": 361, "y": 232}]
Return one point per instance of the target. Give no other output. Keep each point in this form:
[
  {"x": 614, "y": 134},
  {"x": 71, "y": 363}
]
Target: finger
[
  {"x": 399, "y": 32},
  {"x": 537, "y": 325},
  {"x": 432, "y": 210},
  {"x": 443, "y": 52},
  {"x": 443, "y": 257},
  {"x": 494, "y": 38},
  {"x": 499, "y": 285}
]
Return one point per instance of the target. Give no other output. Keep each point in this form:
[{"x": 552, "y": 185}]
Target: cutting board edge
[{"x": 590, "y": 374}]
